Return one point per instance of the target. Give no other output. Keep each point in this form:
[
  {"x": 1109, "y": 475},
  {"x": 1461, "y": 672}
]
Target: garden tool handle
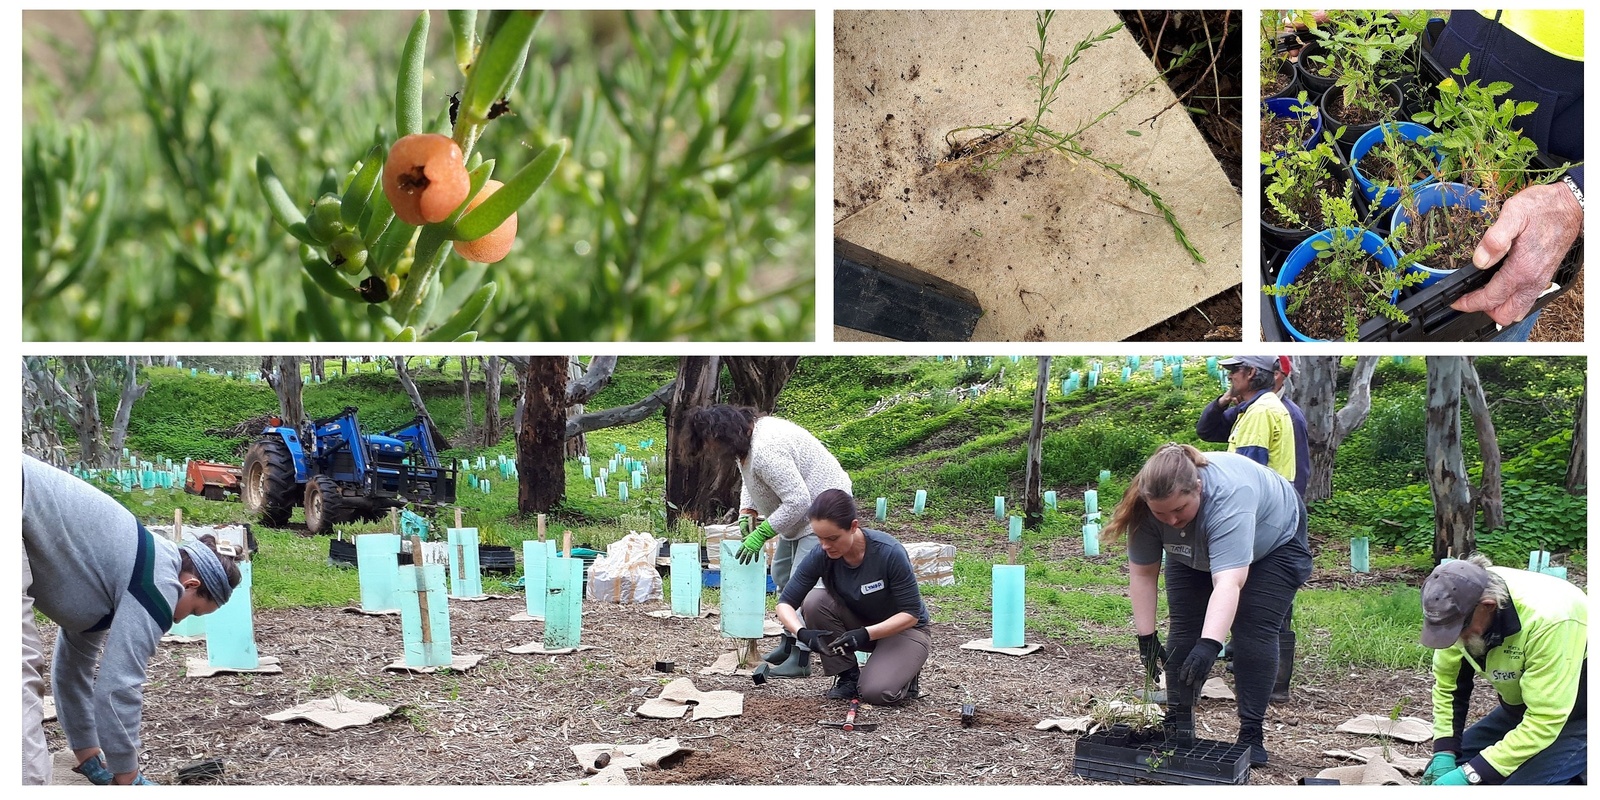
[{"x": 850, "y": 716}]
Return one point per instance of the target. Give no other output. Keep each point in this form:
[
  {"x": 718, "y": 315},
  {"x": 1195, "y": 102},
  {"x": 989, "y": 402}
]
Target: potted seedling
[
  {"x": 1292, "y": 183},
  {"x": 1289, "y": 122},
  {"x": 1364, "y": 46},
  {"x": 1486, "y": 157},
  {"x": 418, "y": 194},
  {"x": 1279, "y": 78},
  {"x": 1339, "y": 278},
  {"x": 1390, "y": 160}
]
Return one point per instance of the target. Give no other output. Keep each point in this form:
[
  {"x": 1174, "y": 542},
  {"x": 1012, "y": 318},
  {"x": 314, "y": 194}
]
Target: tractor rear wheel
[
  {"x": 268, "y": 485},
  {"x": 325, "y": 507}
]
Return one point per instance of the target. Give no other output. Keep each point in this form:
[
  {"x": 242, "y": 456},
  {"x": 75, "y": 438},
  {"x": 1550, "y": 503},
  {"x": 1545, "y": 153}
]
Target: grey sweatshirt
[
  {"x": 107, "y": 583},
  {"x": 786, "y": 469}
]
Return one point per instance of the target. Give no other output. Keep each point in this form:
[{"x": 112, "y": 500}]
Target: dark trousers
[
  {"x": 1264, "y": 605},
  {"x": 1566, "y": 758},
  {"x": 887, "y": 675}
]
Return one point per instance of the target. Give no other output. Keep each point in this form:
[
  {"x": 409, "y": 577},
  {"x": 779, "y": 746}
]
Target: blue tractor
[{"x": 341, "y": 474}]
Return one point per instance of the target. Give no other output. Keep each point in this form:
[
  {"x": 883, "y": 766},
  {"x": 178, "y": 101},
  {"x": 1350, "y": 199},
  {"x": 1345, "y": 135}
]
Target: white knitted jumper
[{"x": 787, "y": 468}]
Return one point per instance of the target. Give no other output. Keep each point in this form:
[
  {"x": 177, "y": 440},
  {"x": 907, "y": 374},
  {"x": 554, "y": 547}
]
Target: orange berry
[
  {"x": 425, "y": 178},
  {"x": 495, "y": 244}
]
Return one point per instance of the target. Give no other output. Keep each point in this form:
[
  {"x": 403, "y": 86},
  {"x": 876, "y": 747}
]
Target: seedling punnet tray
[
  {"x": 1203, "y": 763},
  {"x": 1431, "y": 317}
]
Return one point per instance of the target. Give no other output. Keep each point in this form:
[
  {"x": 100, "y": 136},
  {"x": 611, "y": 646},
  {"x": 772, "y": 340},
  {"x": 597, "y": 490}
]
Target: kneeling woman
[
  {"x": 1234, "y": 534},
  {"x": 868, "y": 601}
]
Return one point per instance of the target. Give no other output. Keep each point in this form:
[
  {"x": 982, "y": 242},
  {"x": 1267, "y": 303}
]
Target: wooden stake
[
  {"x": 422, "y": 589},
  {"x": 394, "y": 519},
  {"x": 1011, "y": 553},
  {"x": 566, "y": 544},
  {"x": 177, "y": 525},
  {"x": 458, "y": 517},
  {"x": 748, "y": 652},
  {"x": 541, "y": 527}
]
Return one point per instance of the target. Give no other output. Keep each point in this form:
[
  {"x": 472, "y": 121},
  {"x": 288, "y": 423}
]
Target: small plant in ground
[
  {"x": 1346, "y": 278},
  {"x": 997, "y": 143}
]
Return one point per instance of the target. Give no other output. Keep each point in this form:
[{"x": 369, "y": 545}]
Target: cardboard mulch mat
[
  {"x": 655, "y": 754},
  {"x": 987, "y": 646},
  {"x": 359, "y": 610},
  {"x": 1408, "y": 729},
  {"x": 458, "y": 663},
  {"x": 538, "y": 649},
  {"x": 1405, "y": 764},
  {"x": 612, "y": 775},
  {"x": 681, "y": 695},
  {"x": 726, "y": 664},
  {"x": 334, "y": 713},
  {"x": 200, "y": 668}
]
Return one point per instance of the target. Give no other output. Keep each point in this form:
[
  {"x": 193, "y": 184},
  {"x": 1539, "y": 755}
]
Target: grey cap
[
  {"x": 1266, "y": 364},
  {"x": 1449, "y": 597}
]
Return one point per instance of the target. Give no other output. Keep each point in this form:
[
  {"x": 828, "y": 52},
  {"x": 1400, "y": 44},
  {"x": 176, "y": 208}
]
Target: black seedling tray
[
  {"x": 1431, "y": 318},
  {"x": 1203, "y": 763}
]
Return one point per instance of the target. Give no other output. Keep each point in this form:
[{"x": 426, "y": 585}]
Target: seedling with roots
[
  {"x": 435, "y": 191},
  {"x": 1124, "y": 709},
  {"x": 988, "y": 147}
]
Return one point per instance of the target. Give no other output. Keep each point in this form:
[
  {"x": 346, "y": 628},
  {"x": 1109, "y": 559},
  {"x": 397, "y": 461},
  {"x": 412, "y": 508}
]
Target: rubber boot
[
  {"x": 1250, "y": 734},
  {"x": 1178, "y": 724},
  {"x": 797, "y": 665},
  {"x": 1280, "y": 687},
  {"x": 780, "y": 654}
]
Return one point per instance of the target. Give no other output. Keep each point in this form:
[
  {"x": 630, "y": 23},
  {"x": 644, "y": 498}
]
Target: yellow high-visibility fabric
[{"x": 1555, "y": 31}]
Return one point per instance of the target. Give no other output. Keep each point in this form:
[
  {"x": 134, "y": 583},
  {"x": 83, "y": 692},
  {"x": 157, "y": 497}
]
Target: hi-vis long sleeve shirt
[{"x": 1537, "y": 659}]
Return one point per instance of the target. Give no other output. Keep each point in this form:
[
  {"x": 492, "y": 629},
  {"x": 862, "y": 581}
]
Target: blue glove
[
  {"x": 1441, "y": 763},
  {"x": 1455, "y": 777},
  {"x": 750, "y": 549},
  {"x": 141, "y": 780}
]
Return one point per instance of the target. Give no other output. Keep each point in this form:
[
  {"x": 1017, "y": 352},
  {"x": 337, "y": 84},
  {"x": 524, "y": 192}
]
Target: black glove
[
  {"x": 1153, "y": 654},
  {"x": 849, "y": 642},
  {"x": 815, "y": 639},
  {"x": 1198, "y": 665}
]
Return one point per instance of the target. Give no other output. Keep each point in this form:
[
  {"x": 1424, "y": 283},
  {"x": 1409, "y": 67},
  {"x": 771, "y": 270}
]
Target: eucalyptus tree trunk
[
  {"x": 1327, "y": 425},
  {"x": 1447, "y": 469},
  {"x": 1034, "y": 504},
  {"x": 402, "y": 371},
  {"x": 1578, "y": 458},
  {"x": 1490, "y": 497},
  {"x": 283, "y": 375},
  {"x": 132, "y": 390},
  {"x": 541, "y": 470},
  {"x": 468, "y": 434},
  {"x": 576, "y": 445},
  {"x": 44, "y": 401},
  {"x": 690, "y": 473},
  {"x": 91, "y": 431},
  {"x": 493, "y": 370}
]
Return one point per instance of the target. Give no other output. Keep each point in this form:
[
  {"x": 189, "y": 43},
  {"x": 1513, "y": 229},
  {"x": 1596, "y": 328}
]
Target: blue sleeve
[
  {"x": 805, "y": 576},
  {"x": 1255, "y": 453},
  {"x": 1577, "y": 176},
  {"x": 1214, "y": 422}
]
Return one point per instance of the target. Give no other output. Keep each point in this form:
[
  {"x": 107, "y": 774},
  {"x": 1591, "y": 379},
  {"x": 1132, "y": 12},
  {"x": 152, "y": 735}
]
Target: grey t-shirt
[
  {"x": 1246, "y": 511},
  {"x": 882, "y": 586}
]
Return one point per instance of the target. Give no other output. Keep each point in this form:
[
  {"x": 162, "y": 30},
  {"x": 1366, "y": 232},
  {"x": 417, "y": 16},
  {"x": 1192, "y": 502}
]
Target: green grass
[{"x": 1370, "y": 627}]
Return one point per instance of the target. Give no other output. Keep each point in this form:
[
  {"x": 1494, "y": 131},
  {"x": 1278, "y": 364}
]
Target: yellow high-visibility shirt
[{"x": 1555, "y": 31}]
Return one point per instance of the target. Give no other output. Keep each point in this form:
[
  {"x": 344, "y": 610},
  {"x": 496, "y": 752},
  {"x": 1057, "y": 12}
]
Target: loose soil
[
  {"x": 1321, "y": 315},
  {"x": 1279, "y": 132},
  {"x": 1456, "y": 229},
  {"x": 512, "y": 719},
  {"x": 1277, "y": 84},
  {"x": 1340, "y": 114},
  {"x": 1562, "y": 320},
  {"x": 1379, "y": 162}
]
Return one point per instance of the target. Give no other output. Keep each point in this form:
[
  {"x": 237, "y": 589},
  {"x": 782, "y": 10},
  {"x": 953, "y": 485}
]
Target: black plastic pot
[
  {"x": 1285, "y": 239},
  {"x": 1294, "y": 87},
  {"x": 1118, "y": 735},
  {"x": 1314, "y": 84},
  {"x": 1203, "y": 762},
  {"x": 341, "y": 553},
  {"x": 1332, "y": 123},
  {"x": 496, "y": 558}
]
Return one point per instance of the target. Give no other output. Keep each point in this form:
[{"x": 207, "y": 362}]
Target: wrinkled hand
[
  {"x": 1441, "y": 764},
  {"x": 1535, "y": 229},
  {"x": 1198, "y": 665},
  {"x": 849, "y": 642},
  {"x": 1455, "y": 777},
  {"x": 750, "y": 549},
  {"x": 1153, "y": 654},
  {"x": 815, "y": 639}
]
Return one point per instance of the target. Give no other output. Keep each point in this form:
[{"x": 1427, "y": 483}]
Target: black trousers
[{"x": 1264, "y": 605}]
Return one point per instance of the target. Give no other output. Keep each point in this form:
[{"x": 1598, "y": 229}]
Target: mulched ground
[{"x": 511, "y": 719}]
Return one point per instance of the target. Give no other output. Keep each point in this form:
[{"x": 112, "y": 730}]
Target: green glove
[
  {"x": 746, "y": 524},
  {"x": 1441, "y": 763},
  {"x": 1455, "y": 777},
  {"x": 751, "y": 548}
]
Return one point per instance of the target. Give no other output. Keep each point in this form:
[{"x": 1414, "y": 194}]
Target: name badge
[{"x": 869, "y": 588}]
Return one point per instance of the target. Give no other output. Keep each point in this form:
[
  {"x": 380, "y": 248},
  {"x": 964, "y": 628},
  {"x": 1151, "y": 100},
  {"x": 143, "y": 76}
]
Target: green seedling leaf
[
  {"x": 464, "y": 24},
  {"x": 408, "y": 87},
  {"x": 466, "y": 316},
  {"x": 499, "y": 63},
  {"x": 283, "y": 209},
  {"x": 361, "y": 188},
  {"x": 1132, "y": 132},
  {"x": 502, "y": 204}
]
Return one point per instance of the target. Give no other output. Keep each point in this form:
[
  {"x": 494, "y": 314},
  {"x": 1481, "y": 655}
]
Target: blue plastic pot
[
  {"x": 1281, "y": 107},
  {"x": 1435, "y": 196},
  {"x": 1304, "y": 253},
  {"x": 1407, "y": 131}
]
